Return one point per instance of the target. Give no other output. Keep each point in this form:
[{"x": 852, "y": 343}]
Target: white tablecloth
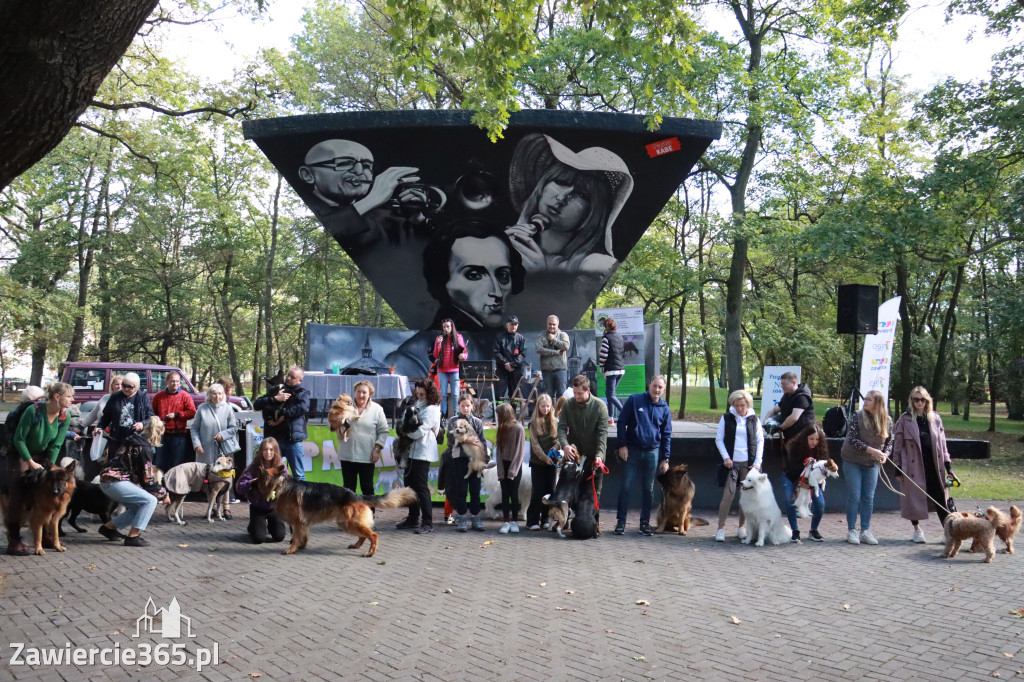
[{"x": 330, "y": 386}]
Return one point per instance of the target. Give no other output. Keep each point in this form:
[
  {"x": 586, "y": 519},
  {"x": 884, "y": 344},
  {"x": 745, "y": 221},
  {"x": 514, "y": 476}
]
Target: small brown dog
[
  {"x": 677, "y": 501},
  {"x": 962, "y": 526},
  {"x": 1007, "y": 526},
  {"x": 471, "y": 447},
  {"x": 343, "y": 411}
]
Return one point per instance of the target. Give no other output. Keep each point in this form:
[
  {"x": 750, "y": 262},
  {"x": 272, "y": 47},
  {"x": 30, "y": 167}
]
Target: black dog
[
  {"x": 584, "y": 522},
  {"x": 407, "y": 425},
  {"x": 88, "y": 497},
  {"x": 274, "y": 414},
  {"x": 565, "y": 496}
]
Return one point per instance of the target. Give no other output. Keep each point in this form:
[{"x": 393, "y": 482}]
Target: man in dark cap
[{"x": 509, "y": 357}]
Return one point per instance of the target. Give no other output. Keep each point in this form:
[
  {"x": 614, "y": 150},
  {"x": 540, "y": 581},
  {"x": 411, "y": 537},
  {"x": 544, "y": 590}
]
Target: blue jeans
[
  {"x": 448, "y": 380},
  {"x": 173, "y": 452},
  {"x": 554, "y": 382},
  {"x": 644, "y": 462},
  {"x": 817, "y": 504},
  {"x": 860, "y": 493},
  {"x": 138, "y": 504},
  {"x": 610, "y": 384},
  {"x": 293, "y": 455}
]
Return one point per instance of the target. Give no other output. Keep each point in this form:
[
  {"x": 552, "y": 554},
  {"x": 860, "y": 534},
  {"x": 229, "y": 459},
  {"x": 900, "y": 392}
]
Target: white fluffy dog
[
  {"x": 764, "y": 519},
  {"x": 490, "y": 487},
  {"x": 815, "y": 474}
]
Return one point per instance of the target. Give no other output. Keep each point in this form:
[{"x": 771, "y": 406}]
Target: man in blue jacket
[{"x": 645, "y": 435}]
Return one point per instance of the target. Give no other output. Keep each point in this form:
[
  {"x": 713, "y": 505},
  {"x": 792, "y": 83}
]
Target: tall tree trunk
[
  {"x": 39, "y": 346},
  {"x": 671, "y": 348},
  {"x": 988, "y": 352},
  {"x": 268, "y": 302},
  {"x": 906, "y": 328},
  {"x": 85, "y": 257},
  {"x": 682, "y": 359},
  {"x": 972, "y": 372},
  {"x": 256, "y": 383},
  {"x": 948, "y": 329}
]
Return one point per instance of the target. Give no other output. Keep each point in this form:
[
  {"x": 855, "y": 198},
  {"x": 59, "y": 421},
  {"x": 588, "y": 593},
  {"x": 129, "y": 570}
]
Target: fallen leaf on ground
[
  {"x": 543, "y": 584},
  {"x": 255, "y": 675},
  {"x": 735, "y": 620},
  {"x": 531, "y": 596},
  {"x": 182, "y": 545},
  {"x": 570, "y": 591},
  {"x": 562, "y": 608},
  {"x": 644, "y": 613},
  {"x": 489, "y": 542},
  {"x": 448, "y": 591},
  {"x": 1007, "y": 655},
  {"x": 375, "y": 603},
  {"x": 381, "y": 562},
  {"x": 607, "y": 630},
  {"x": 638, "y": 561},
  {"x": 995, "y": 673},
  {"x": 642, "y": 602},
  {"x": 449, "y": 547},
  {"x": 91, "y": 567},
  {"x": 639, "y": 658},
  {"x": 880, "y": 555},
  {"x": 152, "y": 568},
  {"x": 1019, "y": 612},
  {"x": 846, "y": 606}
]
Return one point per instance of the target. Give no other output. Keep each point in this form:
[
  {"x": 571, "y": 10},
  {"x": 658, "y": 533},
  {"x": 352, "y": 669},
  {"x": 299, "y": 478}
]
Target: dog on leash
[
  {"x": 45, "y": 495},
  {"x": 341, "y": 415},
  {"x": 962, "y": 526},
  {"x": 677, "y": 501},
  {"x": 407, "y": 425},
  {"x": 764, "y": 519},
  {"x": 192, "y": 477},
  {"x": 1007, "y": 526},
  {"x": 816, "y": 473},
  {"x": 565, "y": 496},
  {"x": 88, "y": 497},
  {"x": 472, "y": 448},
  {"x": 303, "y": 503}
]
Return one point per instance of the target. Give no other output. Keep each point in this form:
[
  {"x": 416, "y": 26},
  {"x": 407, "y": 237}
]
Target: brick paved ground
[{"x": 528, "y": 607}]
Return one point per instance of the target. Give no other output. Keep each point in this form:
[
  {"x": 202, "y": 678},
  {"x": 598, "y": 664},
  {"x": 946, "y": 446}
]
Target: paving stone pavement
[{"x": 484, "y": 606}]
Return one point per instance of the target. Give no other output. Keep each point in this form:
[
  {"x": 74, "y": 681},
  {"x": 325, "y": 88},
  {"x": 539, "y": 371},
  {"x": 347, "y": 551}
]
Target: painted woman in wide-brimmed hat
[{"x": 568, "y": 203}]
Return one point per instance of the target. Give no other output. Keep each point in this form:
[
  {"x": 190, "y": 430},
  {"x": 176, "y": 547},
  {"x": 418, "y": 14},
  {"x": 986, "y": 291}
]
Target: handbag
[{"x": 229, "y": 447}]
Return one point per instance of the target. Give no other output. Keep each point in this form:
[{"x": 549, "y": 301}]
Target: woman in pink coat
[{"x": 919, "y": 450}]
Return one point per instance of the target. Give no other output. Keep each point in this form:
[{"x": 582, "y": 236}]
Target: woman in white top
[
  {"x": 214, "y": 422},
  {"x": 421, "y": 454},
  {"x": 99, "y": 443},
  {"x": 740, "y": 442},
  {"x": 367, "y": 435}
]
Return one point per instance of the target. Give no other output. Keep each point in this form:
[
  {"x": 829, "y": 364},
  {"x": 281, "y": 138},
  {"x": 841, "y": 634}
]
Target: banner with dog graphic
[{"x": 876, "y": 360}]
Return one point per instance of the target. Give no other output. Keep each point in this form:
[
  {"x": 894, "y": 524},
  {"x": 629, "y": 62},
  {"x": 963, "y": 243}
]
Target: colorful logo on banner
[
  {"x": 771, "y": 386},
  {"x": 876, "y": 361},
  {"x": 630, "y": 325}
]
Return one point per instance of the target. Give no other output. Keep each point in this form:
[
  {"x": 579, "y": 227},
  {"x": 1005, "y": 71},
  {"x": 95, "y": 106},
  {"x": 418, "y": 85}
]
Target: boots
[
  {"x": 463, "y": 523},
  {"x": 476, "y": 522},
  {"x": 15, "y": 547}
]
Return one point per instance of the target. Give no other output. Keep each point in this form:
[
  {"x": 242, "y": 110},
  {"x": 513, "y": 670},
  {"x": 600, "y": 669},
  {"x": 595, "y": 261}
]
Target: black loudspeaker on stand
[{"x": 857, "y": 315}]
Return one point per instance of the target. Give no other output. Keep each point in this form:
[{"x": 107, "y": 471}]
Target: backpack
[
  {"x": 14, "y": 416},
  {"x": 834, "y": 422}
]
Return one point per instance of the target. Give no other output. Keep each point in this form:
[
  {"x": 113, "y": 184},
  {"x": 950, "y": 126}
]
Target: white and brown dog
[
  {"x": 471, "y": 447},
  {"x": 192, "y": 477},
  {"x": 341, "y": 416},
  {"x": 816, "y": 473}
]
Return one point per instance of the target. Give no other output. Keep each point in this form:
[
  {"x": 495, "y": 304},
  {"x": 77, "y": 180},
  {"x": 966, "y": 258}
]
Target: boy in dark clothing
[{"x": 796, "y": 409}]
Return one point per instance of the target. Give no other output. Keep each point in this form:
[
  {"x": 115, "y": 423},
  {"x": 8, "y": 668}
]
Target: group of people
[
  {"x": 575, "y": 431},
  {"x": 916, "y": 445}
]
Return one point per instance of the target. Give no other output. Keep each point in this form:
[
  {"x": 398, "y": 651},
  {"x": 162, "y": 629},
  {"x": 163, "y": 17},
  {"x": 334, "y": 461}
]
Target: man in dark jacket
[
  {"x": 290, "y": 431},
  {"x": 509, "y": 357},
  {"x": 645, "y": 438},
  {"x": 613, "y": 364},
  {"x": 796, "y": 409}
]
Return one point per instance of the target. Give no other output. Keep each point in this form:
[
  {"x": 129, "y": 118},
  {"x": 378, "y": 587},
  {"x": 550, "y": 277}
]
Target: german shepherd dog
[
  {"x": 402, "y": 446},
  {"x": 303, "y": 503},
  {"x": 340, "y": 417},
  {"x": 45, "y": 494},
  {"x": 565, "y": 495},
  {"x": 677, "y": 501}
]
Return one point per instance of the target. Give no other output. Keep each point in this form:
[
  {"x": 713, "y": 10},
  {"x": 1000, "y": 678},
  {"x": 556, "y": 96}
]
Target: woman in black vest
[
  {"x": 609, "y": 356},
  {"x": 740, "y": 442}
]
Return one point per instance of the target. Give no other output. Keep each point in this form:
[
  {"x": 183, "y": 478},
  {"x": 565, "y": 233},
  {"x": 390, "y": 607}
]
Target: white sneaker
[
  {"x": 853, "y": 538},
  {"x": 514, "y": 527},
  {"x": 868, "y": 539},
  {"x": 449, "y": 520},
  {"x": 720, "y": 535},
  {"x": 547, "y": 525},
  {"x": 741, "y": 533},
  {"x": 919, "y": 536},
  {"x": 505, "y": 528}
]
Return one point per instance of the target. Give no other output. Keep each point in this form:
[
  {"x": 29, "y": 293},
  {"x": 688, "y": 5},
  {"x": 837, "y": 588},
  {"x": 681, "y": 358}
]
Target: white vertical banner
[
  {"x": 771, "y": 386},
  {"x": 876, "y": 360}
]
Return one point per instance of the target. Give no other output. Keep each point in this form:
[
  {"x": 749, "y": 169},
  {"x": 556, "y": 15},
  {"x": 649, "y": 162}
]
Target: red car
[{"x": 91, "y": 380}]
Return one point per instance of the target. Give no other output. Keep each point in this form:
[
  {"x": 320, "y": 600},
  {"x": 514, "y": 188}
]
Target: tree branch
[{"x": 230, "y": 113}]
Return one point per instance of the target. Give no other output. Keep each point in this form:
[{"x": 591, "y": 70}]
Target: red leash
[{"x": 593, "y": 482}]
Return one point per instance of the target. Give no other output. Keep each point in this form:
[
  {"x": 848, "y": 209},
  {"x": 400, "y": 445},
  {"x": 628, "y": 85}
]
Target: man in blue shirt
[{"x": 645, "y": 435}]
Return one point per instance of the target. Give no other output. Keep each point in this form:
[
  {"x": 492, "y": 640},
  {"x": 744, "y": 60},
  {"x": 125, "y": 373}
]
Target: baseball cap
[{"x": 511, "y": 319}]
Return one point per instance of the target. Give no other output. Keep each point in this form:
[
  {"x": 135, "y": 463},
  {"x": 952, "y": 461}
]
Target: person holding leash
[
  {"x": 808, "y": 444},
  {"x": 868, "y": 444},
  {"x": 583, "y": 435},
  {"x": 509, "y": 456},
  {"x": 919, "y": 451},
  {"x": 263, "y": 520},
  {"x": 37, "y": 438},
  {"x": 740, "y": 442},
  {"x": 543, "y": 469},
  {"x": 645, "y": 437}
]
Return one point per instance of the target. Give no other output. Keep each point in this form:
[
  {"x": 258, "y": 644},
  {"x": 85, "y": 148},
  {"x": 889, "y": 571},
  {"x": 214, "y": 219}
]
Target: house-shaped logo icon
[{"x": 164, "y": 622}]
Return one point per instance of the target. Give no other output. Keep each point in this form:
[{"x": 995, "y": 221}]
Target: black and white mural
[{"x": 447, "y": 224}]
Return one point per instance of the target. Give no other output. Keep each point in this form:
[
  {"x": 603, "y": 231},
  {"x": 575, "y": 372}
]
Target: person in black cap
[{"x": 509, "y": 357}]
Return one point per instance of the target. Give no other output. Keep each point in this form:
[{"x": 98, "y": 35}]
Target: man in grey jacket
[{"x": 552, "y": 347}]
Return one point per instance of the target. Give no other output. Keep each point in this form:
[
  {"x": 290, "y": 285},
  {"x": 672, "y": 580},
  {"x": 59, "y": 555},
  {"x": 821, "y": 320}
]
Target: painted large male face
[
  {"x": 480, "y": 278},
  {"x": 341, "y": 171}
]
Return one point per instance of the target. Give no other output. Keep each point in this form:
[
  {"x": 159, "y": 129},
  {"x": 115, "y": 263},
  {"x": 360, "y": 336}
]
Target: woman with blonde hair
[
  {"x": 740, "y": 442},
  {"x": 919, "y": 450},
  {"x": 543, "y": 439},
  {"x": 868, "y": 444}
]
